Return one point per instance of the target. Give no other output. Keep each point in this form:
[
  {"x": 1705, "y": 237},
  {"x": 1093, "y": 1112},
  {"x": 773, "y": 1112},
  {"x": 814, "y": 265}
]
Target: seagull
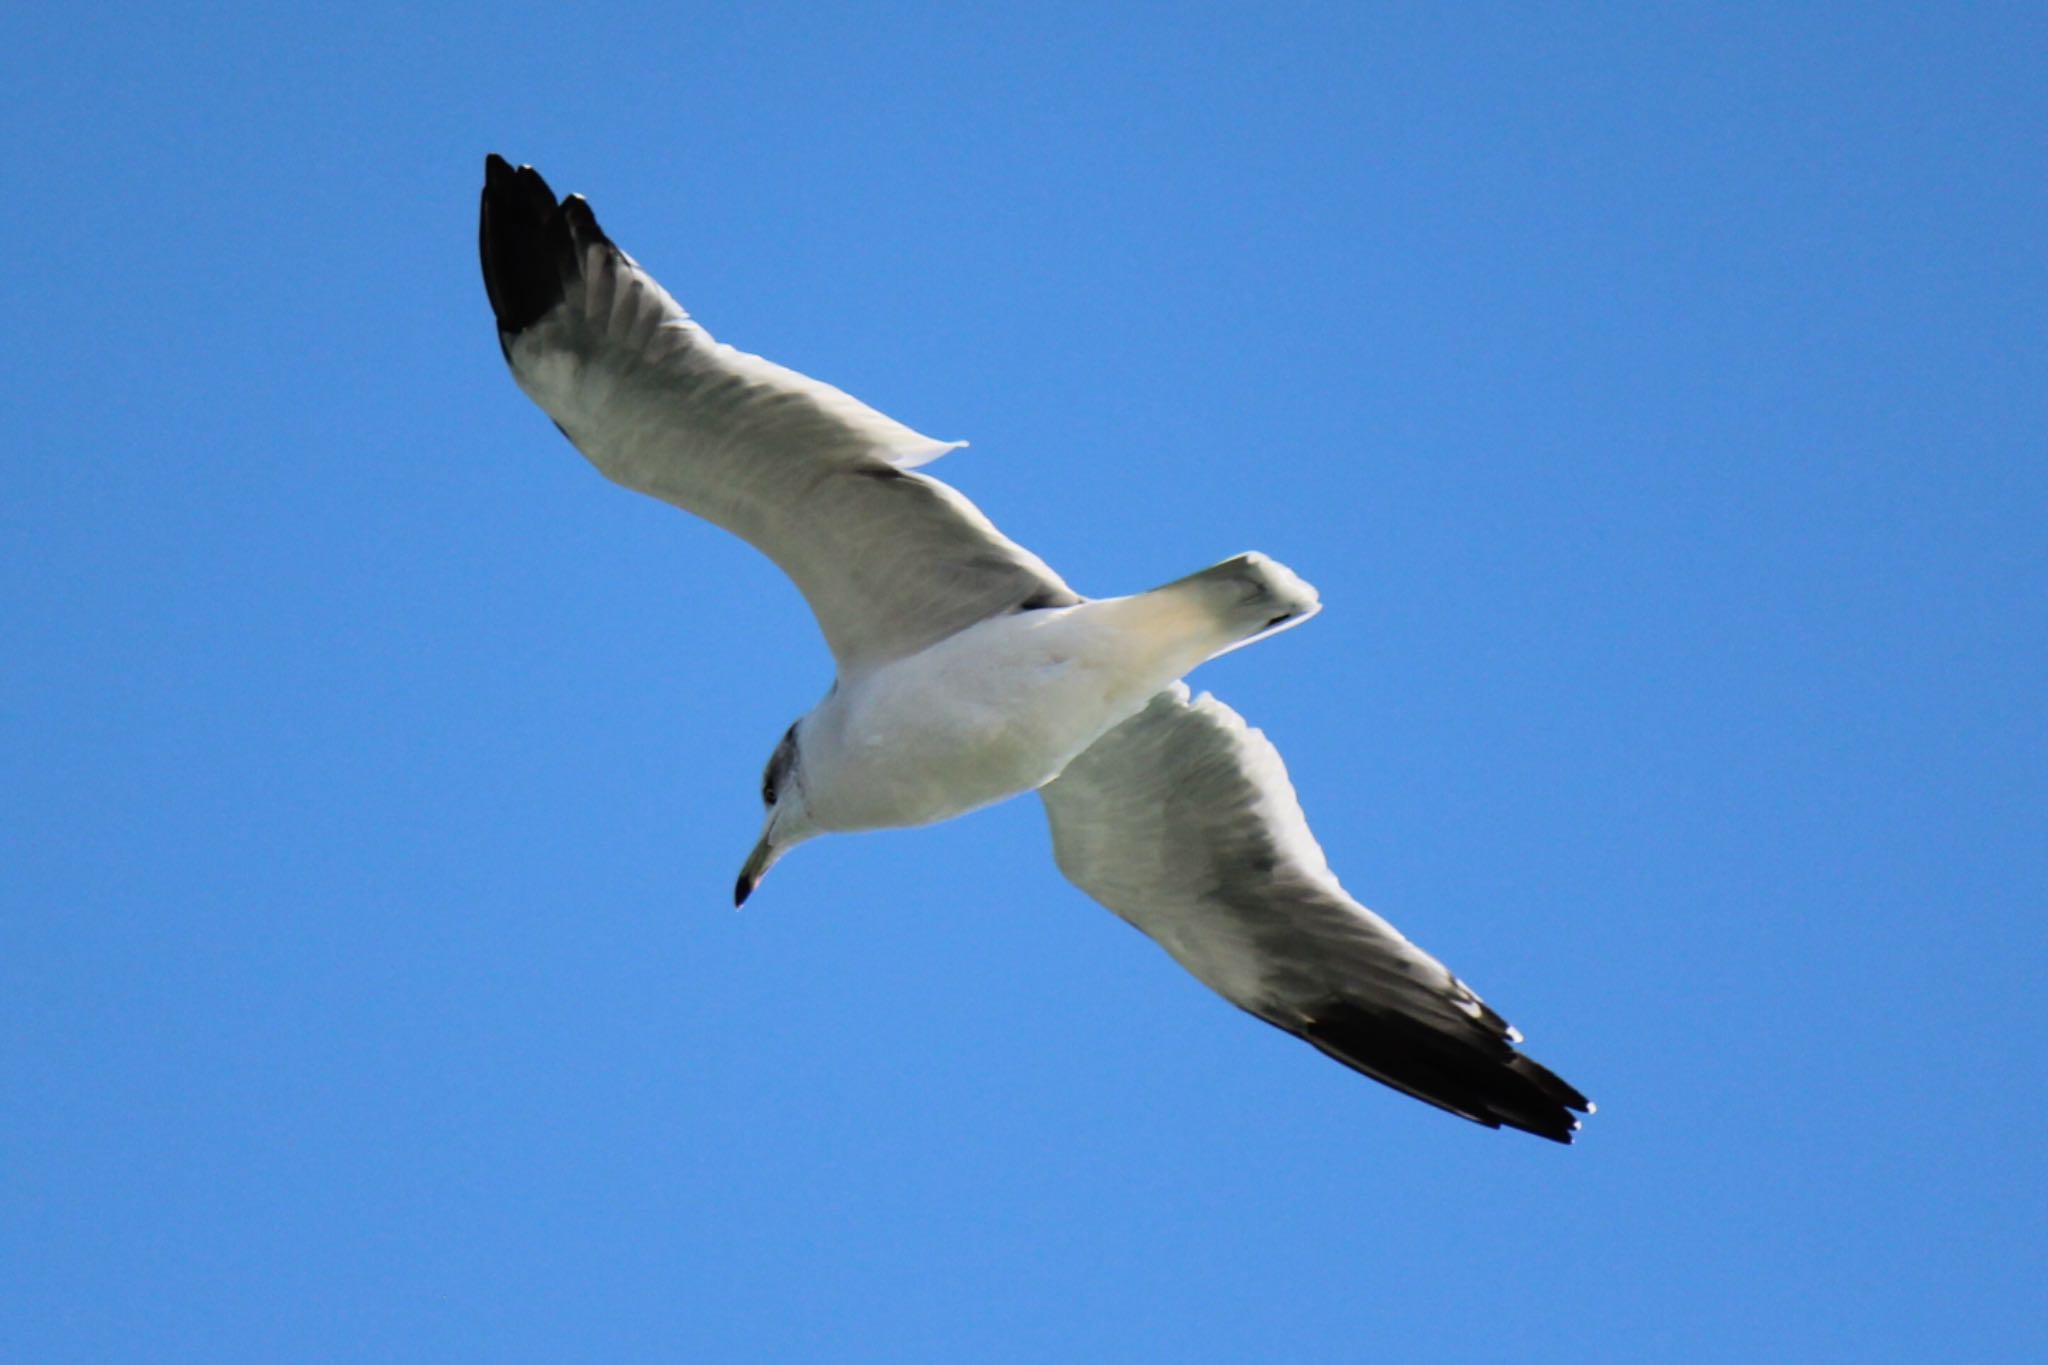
[{"x": 969, "y": 672}]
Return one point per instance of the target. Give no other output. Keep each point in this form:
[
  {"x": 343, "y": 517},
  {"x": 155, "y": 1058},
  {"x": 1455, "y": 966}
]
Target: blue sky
[{"x": 1654, "y": 395}]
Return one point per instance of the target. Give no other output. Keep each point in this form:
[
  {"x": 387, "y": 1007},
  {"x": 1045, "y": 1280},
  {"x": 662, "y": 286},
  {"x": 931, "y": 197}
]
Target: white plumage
[{"x": 968, "y": 671}]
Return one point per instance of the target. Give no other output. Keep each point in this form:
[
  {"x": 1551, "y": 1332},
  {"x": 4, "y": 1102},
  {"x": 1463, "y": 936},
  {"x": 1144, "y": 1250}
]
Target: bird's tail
[{"x": 1247, "y": 598}]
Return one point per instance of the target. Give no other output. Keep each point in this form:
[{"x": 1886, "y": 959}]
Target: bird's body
[
  {"x": 1005, "y": 705},
  {"x": 969, "y": 672}
]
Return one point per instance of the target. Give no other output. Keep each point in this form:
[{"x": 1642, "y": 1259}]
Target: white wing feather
[
  {"x": 1183, "y": 821},
  {"x": 890, "y": 560}
]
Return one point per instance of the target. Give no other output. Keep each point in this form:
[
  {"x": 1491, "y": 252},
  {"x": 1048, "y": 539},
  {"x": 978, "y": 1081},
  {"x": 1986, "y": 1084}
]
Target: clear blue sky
[{"x": 1655, "y": 396}]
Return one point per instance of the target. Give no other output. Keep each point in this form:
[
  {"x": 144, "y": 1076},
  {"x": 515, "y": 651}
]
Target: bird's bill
[{"x": 758, "y": 862}]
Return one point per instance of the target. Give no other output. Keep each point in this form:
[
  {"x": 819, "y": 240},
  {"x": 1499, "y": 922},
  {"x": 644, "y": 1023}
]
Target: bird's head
[{"x": 788, "y": 823}]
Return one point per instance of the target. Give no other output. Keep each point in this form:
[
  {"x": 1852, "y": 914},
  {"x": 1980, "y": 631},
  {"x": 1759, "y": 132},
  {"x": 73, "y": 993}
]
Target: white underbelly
[{"x": 999, "y": 709}]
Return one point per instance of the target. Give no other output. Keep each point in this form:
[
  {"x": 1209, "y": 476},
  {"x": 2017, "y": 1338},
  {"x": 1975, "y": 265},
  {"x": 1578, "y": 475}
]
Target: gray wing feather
[
  {"x": 1183, "y": 821},
  {"x": 889, "y": 560}
]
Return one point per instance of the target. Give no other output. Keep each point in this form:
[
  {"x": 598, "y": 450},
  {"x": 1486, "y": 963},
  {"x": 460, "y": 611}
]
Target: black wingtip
[
  {"x": 529, "y": 243},
  {"x": 1482, "y": 1080}
]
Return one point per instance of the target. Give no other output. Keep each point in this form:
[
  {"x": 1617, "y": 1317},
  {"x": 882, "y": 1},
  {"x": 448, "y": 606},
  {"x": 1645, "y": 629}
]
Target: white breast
[{"x": 998, "y": 709}]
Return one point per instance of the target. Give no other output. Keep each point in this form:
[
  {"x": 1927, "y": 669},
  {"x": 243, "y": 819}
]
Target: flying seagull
[{"x": 968, "y": 671}]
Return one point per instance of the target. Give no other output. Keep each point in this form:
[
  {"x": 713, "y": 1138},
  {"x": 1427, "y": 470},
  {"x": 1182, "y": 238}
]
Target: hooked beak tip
[{"x": 756, "y": 867}]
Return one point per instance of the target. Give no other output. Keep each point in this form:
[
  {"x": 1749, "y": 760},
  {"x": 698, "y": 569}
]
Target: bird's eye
[{"x": 768, "y": 792}]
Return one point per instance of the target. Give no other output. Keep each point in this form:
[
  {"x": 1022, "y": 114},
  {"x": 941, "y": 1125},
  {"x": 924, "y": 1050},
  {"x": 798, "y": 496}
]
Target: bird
[{"x": 969, "y": 672}]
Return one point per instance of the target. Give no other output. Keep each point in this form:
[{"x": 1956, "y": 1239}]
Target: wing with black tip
[
  {"x": 1183, "y": 821},
  {"x": 889, "y": 559}
]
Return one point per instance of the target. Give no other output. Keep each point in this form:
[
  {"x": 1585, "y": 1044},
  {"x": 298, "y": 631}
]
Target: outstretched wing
[
  {"x": 1182, "y": 821},
  {"x": 889, "y": 560}
]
